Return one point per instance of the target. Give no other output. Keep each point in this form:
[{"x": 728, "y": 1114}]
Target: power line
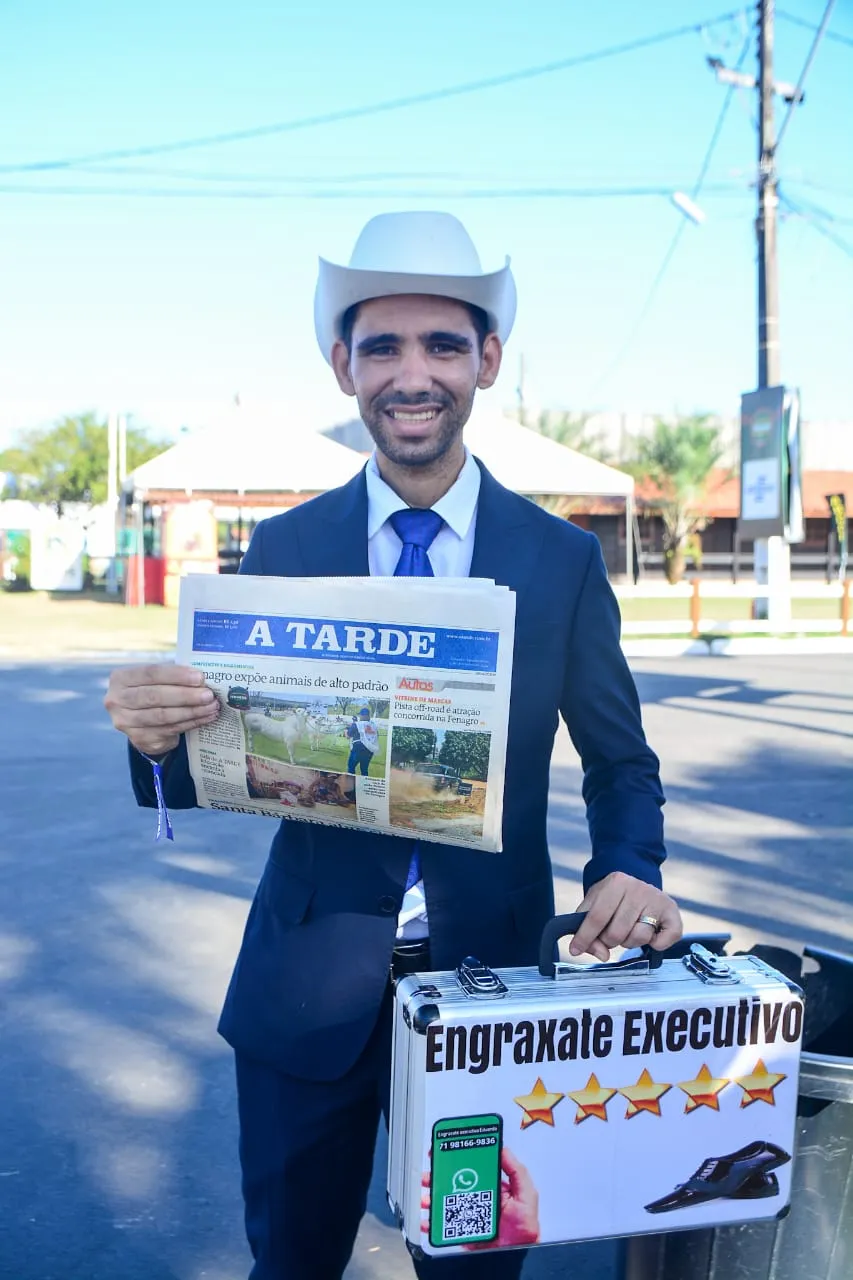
[
  {"x": 810, "y": 26},
  {"x": 822, "y": 229},
  {"x": 798, "y": 91},
  {"x": 818, "y": 211},
  {"x": 294, "y": 179},
  {"x": 667, "y": 182},
  {"x": 845, "y": 192},
  {"x": 361, "y": 177},
  {"x": 370, "y": 193},
  {"x": 376, "y": 108},
  {"x": 668, "y": 256}
]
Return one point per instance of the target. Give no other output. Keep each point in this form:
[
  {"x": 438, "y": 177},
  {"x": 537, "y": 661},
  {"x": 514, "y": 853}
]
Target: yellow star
[
  {"x": 539, "y": 1104},
  {"x": 592, "y": 1100},
  {"x": 645, "y": 1095},
  {"x": 759, "y": 1086},
  {"x": 703, "y": 1091}
]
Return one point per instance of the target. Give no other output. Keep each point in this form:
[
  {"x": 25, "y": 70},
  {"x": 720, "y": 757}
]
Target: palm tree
[{"x": 677, "y": 459}]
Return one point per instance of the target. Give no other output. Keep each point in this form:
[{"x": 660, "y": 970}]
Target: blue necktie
[{"x": 417, "y": 530}]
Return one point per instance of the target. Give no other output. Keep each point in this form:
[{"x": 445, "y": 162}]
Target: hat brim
[{"x": 339, "y": 288}]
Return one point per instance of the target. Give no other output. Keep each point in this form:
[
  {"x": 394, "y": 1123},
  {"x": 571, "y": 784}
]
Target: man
[
  {"x": 365, "y": 743},
  {"x": 412, "y": 328}
]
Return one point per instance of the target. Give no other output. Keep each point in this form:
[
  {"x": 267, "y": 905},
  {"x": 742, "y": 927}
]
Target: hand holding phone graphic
[
  {"x": 465, "y": 1180},
  {"x": 479, "y": 1194}
]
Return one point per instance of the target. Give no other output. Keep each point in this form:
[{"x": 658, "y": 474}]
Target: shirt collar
[{"x": 457, "y": 507}]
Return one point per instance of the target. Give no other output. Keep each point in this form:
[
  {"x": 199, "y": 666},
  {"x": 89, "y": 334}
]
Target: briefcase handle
[{"x": 561, "y": 926}]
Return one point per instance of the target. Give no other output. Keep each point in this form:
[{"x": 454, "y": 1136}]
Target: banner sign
[
  {"x": 838, "y": 510},
  {"x": 837, "y": 503},
  {"x": 792, "y": 464},
  {"x": 771, "y": 502}
]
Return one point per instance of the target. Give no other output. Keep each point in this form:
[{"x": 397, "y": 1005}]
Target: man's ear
[
  {"x": 340, "y": 365},
  {"x": 490, "y": 361}
]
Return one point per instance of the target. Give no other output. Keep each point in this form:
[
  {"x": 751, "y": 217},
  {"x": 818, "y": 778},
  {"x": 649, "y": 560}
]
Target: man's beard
[{"x": 416, "y": 453}]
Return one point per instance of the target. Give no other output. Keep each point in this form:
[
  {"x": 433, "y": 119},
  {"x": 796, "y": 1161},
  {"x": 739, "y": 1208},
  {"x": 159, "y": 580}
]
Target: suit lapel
[
  {"x": 334, "y": 542},
  {"x": 506, "y": 542}
]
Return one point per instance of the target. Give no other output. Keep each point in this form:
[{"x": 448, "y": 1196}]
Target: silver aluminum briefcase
[{"x": 573, "y": 1102}]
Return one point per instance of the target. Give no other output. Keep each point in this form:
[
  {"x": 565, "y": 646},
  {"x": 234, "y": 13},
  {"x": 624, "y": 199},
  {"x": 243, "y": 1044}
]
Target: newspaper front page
[{"x": 367, "y": 702}]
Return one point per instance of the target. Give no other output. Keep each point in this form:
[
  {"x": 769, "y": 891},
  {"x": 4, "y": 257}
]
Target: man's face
[{"x": 414, "y": 368}]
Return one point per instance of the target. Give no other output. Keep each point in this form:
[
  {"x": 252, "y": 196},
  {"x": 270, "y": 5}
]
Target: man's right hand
[{"x": 155, "y": 704}]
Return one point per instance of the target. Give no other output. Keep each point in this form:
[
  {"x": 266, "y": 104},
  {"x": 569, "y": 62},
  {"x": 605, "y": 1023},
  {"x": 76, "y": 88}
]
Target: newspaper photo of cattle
[
  {"x": 339, "y": 735},
  {"x": 437, "y": 781}
]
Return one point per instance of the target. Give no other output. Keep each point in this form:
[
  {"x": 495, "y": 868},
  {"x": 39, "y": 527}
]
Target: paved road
[{"x": 117, "y": 1157}]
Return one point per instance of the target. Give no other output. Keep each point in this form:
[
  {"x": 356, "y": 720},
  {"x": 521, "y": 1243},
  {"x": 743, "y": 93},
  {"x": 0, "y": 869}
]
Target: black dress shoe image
[
  {"x": 760, "y": 1186},
  {"x": 734, "y": 1176}
]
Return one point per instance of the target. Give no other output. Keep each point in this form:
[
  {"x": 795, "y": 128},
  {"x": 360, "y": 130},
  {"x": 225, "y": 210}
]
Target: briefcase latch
[
  {"x": 710, "y": 968},
  {"x": 479, "y": 980}
]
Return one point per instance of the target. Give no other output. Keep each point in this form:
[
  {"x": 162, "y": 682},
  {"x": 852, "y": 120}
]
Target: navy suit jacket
[{"x": 313, "y": 967}]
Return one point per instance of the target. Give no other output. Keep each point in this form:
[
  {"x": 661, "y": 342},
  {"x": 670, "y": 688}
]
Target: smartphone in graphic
[{"x": 465, "y": 1188}]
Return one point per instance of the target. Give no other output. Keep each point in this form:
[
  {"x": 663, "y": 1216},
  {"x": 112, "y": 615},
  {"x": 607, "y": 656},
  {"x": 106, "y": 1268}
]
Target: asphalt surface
[{"x": 117, "y": 1112}]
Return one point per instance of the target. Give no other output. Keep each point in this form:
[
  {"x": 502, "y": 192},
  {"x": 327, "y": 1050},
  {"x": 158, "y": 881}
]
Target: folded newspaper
[{"x": 366, "y": 702}]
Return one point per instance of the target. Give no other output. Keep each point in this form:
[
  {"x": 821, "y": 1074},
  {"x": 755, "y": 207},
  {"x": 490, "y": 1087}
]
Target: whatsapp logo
[{"x": 465, "y": 1180}]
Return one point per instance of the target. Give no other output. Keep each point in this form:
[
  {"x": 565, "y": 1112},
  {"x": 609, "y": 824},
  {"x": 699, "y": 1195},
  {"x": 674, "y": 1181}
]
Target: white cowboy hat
[{"x": 412, "y": 253}]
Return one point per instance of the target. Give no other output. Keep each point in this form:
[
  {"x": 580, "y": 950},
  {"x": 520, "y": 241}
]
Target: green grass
[
  {"x": 331, "y": 756},
  {"x": 39, "y": 624},
  {"x": 724, "y": 608},
  {"x": 707, "y": 636}
]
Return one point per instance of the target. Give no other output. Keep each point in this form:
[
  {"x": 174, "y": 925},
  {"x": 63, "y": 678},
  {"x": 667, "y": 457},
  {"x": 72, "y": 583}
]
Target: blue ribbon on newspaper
[{"x": 164, "y": 822}]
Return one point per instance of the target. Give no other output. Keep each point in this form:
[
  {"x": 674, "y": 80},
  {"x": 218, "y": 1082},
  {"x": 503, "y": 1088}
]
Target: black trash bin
[{"x": 814, "y": 1240}]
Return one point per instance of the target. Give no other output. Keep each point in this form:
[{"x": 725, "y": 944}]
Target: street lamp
[{"x": 688, "y": 207}]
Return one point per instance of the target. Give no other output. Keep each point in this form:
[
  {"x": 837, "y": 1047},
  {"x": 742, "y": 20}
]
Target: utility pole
[
  {"x": 772, "y": 556},
  {"x": 122, "y": 451},
  {"x": 112, "y": 498},
  {"x": 519, "y": 391},
  {"x": 769, "y": 374}
]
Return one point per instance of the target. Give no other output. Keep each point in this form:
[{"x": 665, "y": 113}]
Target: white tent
[
  {"x": 248, "y": 457},
  {"x": 530, "y": 463},
  {"x": 16, "y": 514},
  {"x": 261, "y": 455}
]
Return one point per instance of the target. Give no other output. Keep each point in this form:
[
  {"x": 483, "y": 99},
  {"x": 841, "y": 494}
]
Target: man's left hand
[{"x": 613, "y": 909}]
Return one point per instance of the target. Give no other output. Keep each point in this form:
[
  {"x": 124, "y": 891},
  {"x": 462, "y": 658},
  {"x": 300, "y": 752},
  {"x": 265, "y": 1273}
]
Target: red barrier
[{"x": 153, "y": 570}]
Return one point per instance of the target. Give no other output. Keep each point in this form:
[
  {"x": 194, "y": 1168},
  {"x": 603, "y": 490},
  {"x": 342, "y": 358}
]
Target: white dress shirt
[
  {"x": 450, "y": 555},
  {"x": 453, "y": 546}
]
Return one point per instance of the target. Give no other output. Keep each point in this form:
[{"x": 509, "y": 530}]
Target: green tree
[
  {"x": 69, "y": 461},
  {"x": 411, "y": 745},
  {"x": 466, "y": 752},
  {"x": 677, "y": 460}
]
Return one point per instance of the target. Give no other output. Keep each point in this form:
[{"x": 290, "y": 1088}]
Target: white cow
[{"x": 289, "y": 730}]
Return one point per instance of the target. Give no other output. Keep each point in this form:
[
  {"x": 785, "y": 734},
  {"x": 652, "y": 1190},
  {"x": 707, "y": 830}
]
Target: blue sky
[{"x": 168, "y": 306}]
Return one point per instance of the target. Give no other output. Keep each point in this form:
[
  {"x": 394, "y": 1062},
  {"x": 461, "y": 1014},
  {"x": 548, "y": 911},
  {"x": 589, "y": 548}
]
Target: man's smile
[{"x": 413, "y": 415}]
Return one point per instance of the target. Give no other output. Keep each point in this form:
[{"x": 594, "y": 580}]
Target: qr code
[{"x": 468, "y": 1214}]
